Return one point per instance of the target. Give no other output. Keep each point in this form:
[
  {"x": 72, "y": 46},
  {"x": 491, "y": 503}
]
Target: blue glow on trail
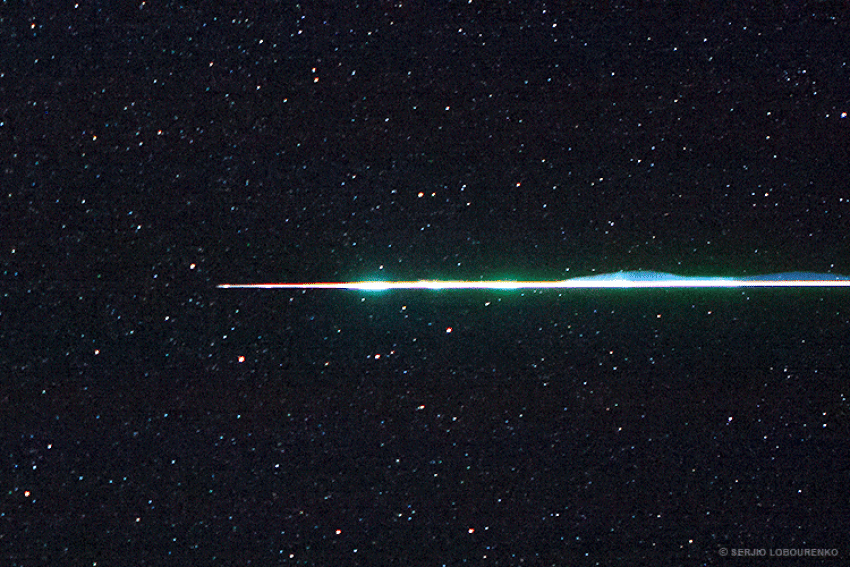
[{"x": 617, "y": 280}]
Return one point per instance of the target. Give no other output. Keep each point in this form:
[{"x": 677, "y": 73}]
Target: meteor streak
[{"x": 618, "y": 280}]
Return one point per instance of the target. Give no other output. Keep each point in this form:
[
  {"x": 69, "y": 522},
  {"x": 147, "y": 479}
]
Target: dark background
[{"x": 150, "y": 151}]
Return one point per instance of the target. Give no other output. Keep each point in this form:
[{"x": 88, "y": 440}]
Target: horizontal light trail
[{"x": 576, "y": 283}]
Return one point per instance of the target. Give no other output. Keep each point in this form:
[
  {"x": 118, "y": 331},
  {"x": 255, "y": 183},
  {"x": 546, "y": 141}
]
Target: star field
[{"x": 151, "y": 151}]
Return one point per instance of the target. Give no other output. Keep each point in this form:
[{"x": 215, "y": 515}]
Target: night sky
[{"x": 152, "y": 150}]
